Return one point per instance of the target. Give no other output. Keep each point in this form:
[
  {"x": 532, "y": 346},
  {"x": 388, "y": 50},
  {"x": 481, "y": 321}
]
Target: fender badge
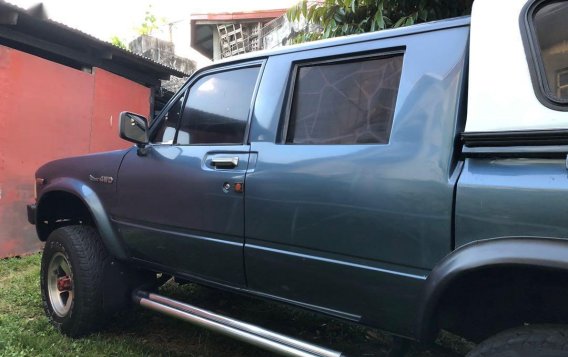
[{"x": 102, "y": 179}]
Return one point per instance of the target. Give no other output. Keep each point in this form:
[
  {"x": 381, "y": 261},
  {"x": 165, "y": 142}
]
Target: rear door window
[{"x": 344, "y": 102}]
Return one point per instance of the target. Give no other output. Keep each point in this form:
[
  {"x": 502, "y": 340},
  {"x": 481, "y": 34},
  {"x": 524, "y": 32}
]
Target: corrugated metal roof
[{"x": 31, "y": 30}]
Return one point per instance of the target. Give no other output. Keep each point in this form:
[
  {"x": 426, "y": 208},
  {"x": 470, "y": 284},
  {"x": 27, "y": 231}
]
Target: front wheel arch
[
  {"x": 58, "y": 209},
  {"x": 85, "y": 205}
]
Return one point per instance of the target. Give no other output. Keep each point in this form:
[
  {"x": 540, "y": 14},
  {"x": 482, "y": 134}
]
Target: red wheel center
[{"x": 64, "y": 283}]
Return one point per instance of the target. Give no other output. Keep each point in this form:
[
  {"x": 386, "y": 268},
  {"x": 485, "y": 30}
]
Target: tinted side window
[
  {"x": 350, "y": 102},
  {"x": 166, "y": 132},
  {"x": 551, "y": 28},
  {"x": 218, "y": 107}
]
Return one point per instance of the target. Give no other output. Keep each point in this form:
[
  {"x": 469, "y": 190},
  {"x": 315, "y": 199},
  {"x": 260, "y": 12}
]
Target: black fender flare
[
  {"x": 542, "y": 252},
  {"x": 93, "y": 203}
]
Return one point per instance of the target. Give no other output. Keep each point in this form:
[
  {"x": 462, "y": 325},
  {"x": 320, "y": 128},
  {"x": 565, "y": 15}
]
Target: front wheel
[
  {"x": 526, "y": 341},
  {"x": 72, "y": 268}
]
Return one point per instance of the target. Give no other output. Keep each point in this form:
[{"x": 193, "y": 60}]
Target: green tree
[
  {"x": 346, "y": 17},
  {"x": 150, "y": 23},
  {"x": 115, "y": 40}
]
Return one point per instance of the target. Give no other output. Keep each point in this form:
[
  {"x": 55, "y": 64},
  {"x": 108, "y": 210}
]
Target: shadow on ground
[
  {"x": 342, "y": 336},
  {"x": 25, "y": 331}
]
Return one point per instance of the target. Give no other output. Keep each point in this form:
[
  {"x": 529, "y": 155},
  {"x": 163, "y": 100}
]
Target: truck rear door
[{"x": 350, "y": 199}]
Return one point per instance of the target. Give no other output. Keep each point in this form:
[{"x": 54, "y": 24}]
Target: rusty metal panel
[
  {"x": 112, "y": 95},
  {"x": 47, "y": 111}
]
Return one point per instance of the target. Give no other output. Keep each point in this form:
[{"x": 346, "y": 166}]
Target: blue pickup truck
[{"x": 412, "y": 179}]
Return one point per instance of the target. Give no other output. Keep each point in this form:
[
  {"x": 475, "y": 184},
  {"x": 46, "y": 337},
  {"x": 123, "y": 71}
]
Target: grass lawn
[{"x": 25, "y": 331}]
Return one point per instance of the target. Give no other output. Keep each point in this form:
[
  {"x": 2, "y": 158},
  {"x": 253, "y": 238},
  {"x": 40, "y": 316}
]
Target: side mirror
[{"x": 134, "y": 128}]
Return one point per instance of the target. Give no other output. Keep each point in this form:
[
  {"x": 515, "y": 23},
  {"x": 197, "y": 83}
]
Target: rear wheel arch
[{"x": 504, "y": 278}]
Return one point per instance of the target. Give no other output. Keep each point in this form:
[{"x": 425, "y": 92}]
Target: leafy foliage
[
  {"x": 347, "y": 17},
  {"x": 150, "y": 23},
  {"x": 115, "y": 40}
]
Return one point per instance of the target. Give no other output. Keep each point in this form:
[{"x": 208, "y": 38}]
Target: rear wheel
[
  {"x": 72, "y": 284},
  {"x": 526, "y": 341}
]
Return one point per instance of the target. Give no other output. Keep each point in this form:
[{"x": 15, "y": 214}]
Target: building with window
[{"x": 222, "y": 35}]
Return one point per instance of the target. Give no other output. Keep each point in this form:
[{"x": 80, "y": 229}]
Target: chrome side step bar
[{"x": 252, "y": 334}]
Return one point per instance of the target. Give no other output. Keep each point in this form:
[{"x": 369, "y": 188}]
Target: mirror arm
[{"x": 142, "y": 149}]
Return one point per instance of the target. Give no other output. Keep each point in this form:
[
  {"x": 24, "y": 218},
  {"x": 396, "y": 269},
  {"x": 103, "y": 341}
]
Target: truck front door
[{"x": 180, "y": 206}]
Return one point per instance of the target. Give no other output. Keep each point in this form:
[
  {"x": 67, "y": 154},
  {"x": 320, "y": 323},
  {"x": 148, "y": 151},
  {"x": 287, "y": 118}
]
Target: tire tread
[
  {"x": 527, "y": 341},
  {"x": 88, "y": 256}
]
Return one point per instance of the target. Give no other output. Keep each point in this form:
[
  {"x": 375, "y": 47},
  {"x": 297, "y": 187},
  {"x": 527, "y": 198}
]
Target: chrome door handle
[{"x": 225, "y": 162}]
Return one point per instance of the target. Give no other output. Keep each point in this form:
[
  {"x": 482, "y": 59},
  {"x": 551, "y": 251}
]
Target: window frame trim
[
  {"x": 534, "y": 56},
  {"x": 282, "y": 136},
  {"x": 261, "y": 63},
  {"x": 159, "y": 118}
]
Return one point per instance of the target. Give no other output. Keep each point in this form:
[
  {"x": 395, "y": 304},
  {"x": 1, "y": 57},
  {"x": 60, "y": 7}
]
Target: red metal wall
[
  {"x": 49, "y": 111},
  {"x": 114, "y": 94}
]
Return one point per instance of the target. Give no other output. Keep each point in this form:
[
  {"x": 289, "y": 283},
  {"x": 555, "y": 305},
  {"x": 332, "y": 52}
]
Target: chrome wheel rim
[{"x": 60, "y": 284}]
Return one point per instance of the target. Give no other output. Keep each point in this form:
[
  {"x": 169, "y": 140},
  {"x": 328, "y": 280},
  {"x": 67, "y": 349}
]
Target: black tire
[
  {"x": 80, "y": 247},
  {"x": 526, "y": 341}
]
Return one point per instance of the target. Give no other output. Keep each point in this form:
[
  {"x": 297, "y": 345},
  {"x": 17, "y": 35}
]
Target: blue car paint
[
  {"x": 493, "y": 196},
  {"x": 71, "y": 175},
  {"x": 354, "y": 218},
  {"x": 362, "y": 232}
]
